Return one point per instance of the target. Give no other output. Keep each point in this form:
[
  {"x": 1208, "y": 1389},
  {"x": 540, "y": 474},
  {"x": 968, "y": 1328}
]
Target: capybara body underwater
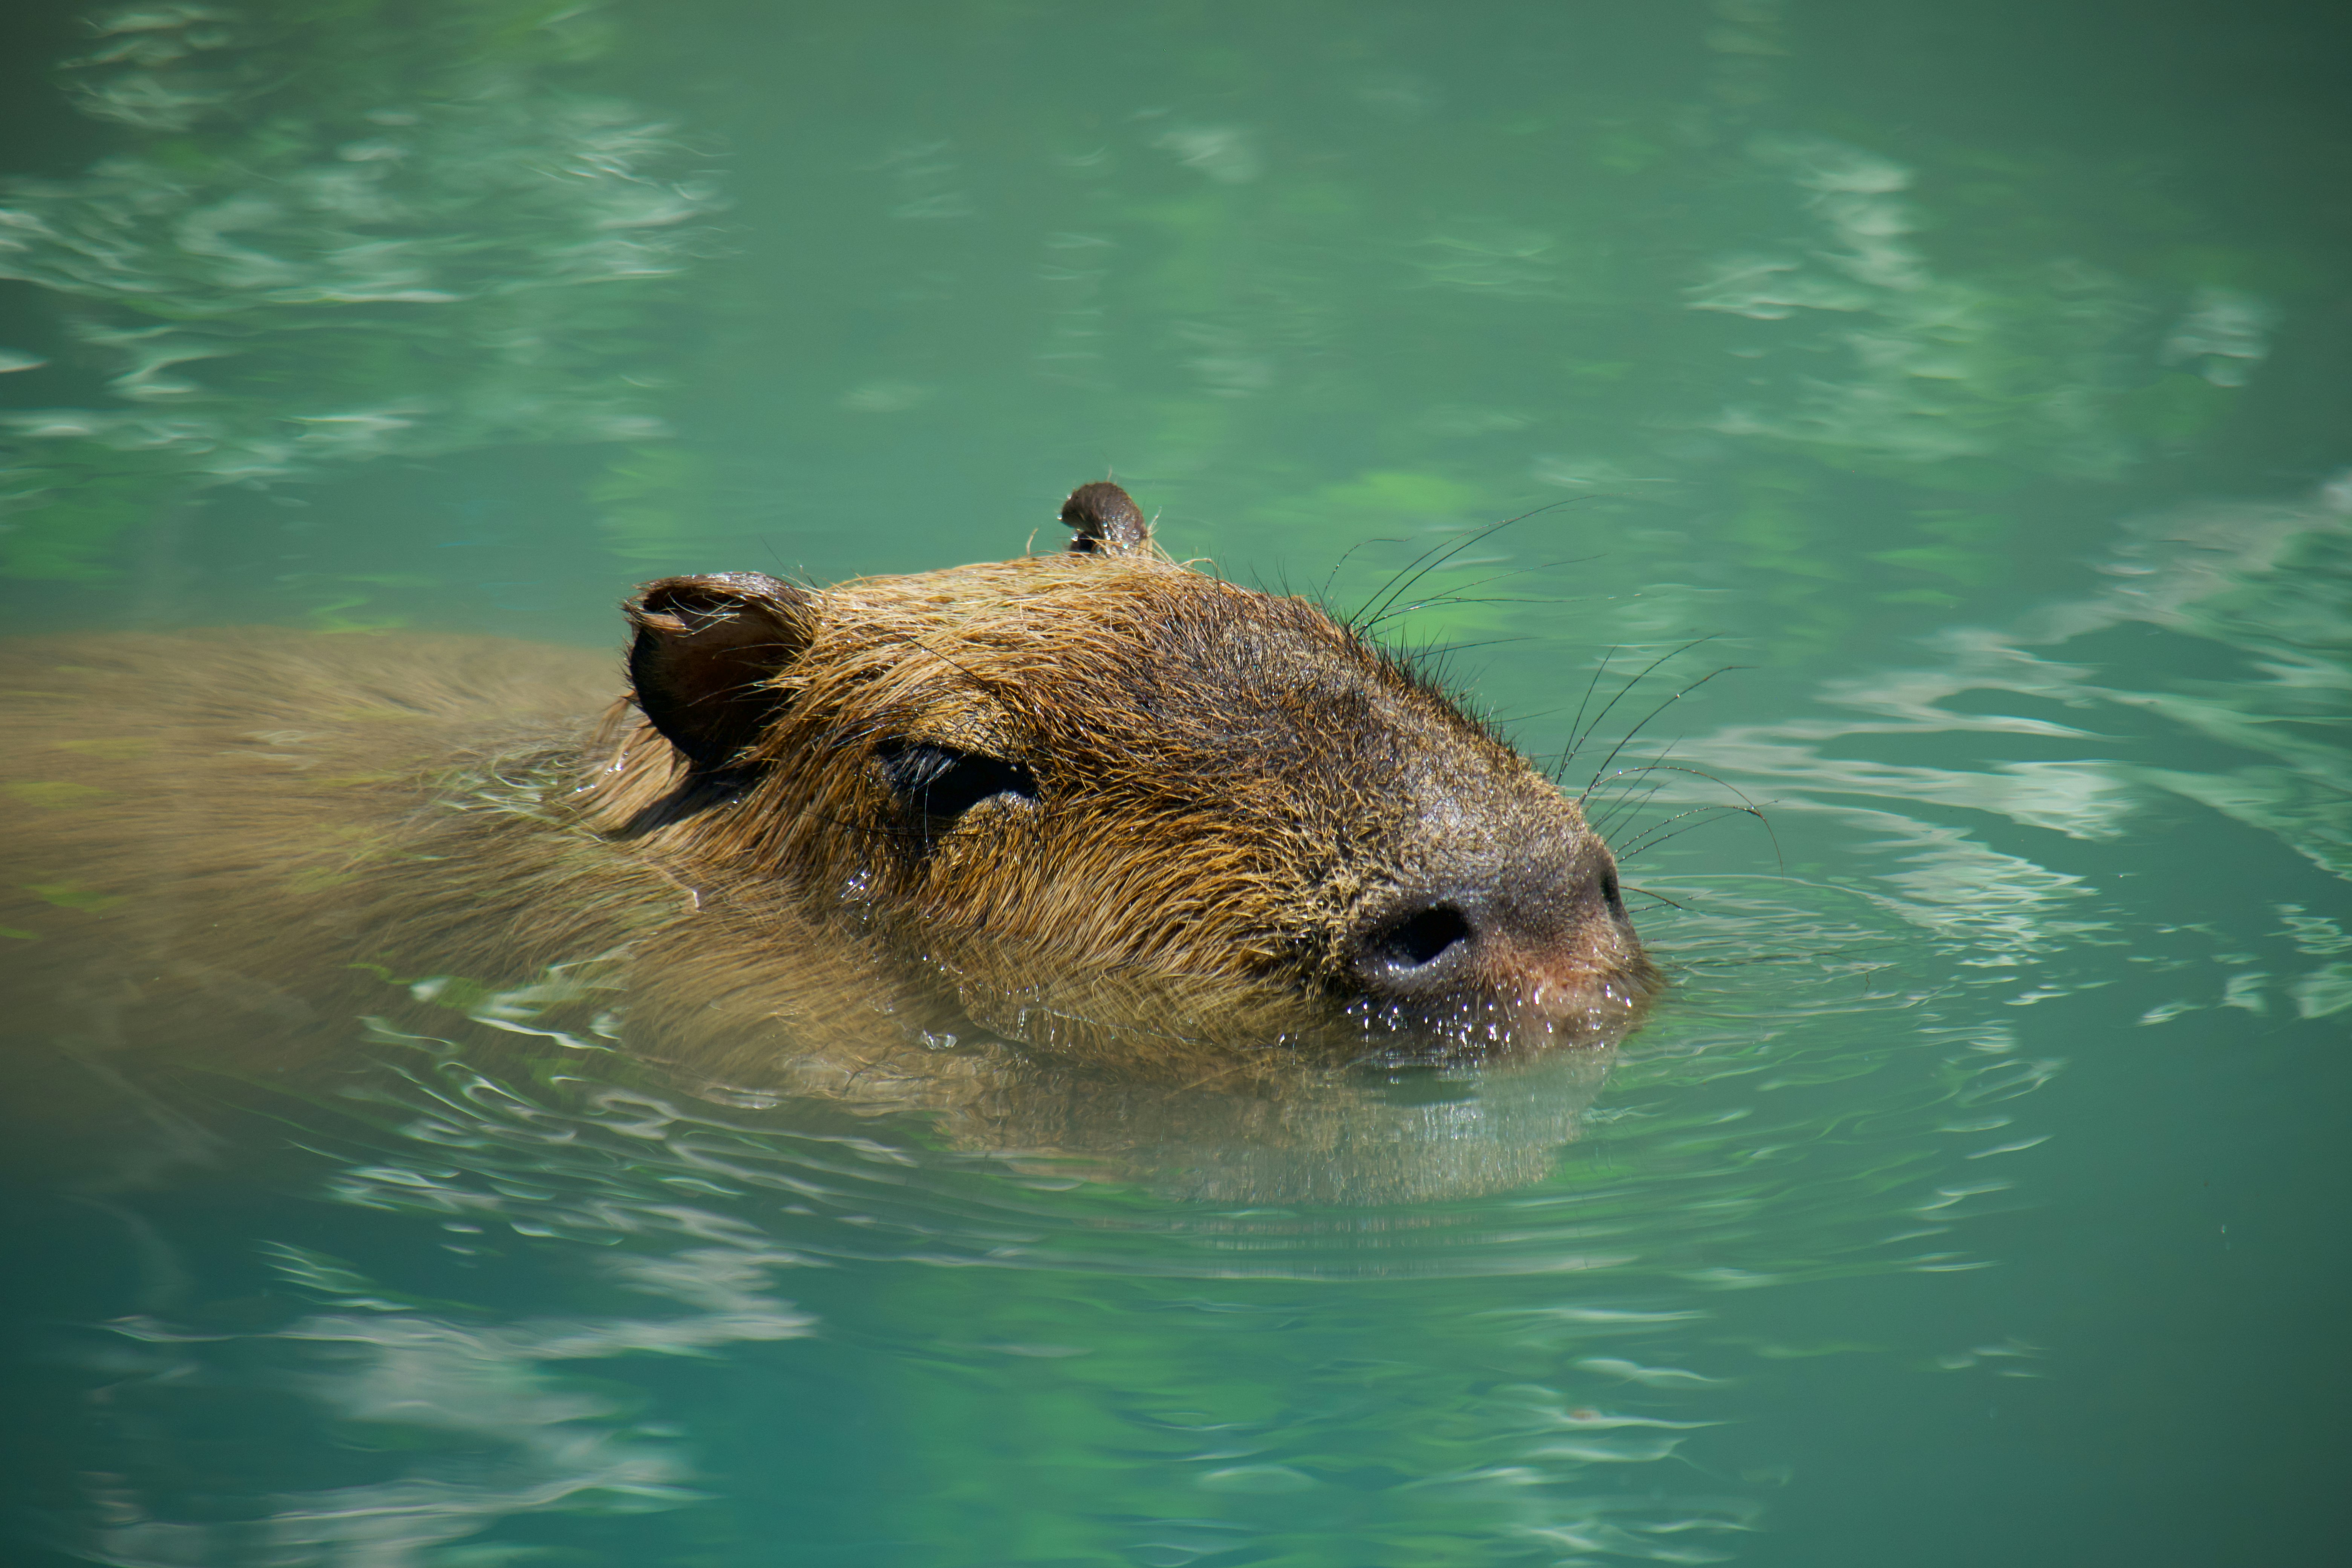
[{"x": 1077, "y": 851}]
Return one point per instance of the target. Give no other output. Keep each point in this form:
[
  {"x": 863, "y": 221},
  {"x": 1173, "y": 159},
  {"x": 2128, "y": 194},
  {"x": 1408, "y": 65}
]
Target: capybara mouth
[
  {"x": 1588, "y": 1014},
  {"x": 1492, "y": 999}
]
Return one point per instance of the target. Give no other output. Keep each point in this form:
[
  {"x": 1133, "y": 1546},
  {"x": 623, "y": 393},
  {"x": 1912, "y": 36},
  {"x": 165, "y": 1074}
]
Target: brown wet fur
[{"x": 225, "y": 846}]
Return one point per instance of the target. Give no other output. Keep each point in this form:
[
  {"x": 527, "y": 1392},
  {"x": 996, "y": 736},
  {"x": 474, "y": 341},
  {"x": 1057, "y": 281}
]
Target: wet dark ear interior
[{"x": 704, "y": 651}]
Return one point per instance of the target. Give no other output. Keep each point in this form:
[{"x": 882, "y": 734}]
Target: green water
[{"x": 1974, "y": 378}]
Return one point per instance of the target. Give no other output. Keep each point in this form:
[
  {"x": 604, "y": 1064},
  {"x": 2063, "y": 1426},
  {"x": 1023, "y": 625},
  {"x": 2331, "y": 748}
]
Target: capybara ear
[
  {"x": 1107, "y": 521},
  {"x": 705, "y": 649}
]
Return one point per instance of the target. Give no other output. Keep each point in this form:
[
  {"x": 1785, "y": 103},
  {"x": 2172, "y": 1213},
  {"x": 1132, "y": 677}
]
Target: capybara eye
[{"x": 942, "y": 784}]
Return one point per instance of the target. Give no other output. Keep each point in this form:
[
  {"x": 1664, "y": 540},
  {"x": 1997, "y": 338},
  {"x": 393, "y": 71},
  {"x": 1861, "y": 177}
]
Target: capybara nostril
[{"x": 1411, "y": 947}]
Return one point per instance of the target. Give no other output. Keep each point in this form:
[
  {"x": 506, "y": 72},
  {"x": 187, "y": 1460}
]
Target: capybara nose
[
  {"x": 1542, "y": 945},
  {"x": 1421, "y": 947}
]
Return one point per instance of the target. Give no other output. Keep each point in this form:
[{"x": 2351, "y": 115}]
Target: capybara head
[{"x": 1100, "y": 794}]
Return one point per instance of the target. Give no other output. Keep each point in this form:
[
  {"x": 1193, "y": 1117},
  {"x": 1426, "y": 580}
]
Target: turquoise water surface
[{"x": 1970, "y": 384}]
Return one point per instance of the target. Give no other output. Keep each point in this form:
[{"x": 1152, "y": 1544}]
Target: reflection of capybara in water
[{"x": 906, "y": 841}]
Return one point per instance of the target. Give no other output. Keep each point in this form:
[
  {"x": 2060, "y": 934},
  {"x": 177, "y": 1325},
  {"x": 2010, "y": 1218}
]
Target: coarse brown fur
[{"x": 1215, "y": 804}]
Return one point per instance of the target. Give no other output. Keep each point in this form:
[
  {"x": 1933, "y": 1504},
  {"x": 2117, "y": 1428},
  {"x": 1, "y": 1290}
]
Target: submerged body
[{"x": 1077, "y": 851}]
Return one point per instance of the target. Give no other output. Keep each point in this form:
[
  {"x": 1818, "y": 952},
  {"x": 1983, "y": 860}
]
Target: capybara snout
[{"x": 1527, "y": 944}]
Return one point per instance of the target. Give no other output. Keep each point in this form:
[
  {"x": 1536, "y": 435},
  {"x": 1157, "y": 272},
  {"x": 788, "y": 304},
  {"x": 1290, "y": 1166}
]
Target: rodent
[{"x": 928, "y": 841}]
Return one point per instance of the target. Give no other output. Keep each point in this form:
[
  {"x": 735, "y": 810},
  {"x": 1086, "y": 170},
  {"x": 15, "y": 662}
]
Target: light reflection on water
[
  {"x": 409, "y": 276},
  {"x": 2029, "y": 833},
  {"x": 490, "y": 1427},
  {"x": 1805, "y": 1111}
]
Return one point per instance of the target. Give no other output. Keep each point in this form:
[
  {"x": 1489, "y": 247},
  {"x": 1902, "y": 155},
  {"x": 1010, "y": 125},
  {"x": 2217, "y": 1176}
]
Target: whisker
[
  {"x": 1459, "y": 596},
  {"x": 1323, "y": 601},
  {"x": 1650, "y": 835},
  {"x": 1746, "y": 804},
  {"x": 1435, "y": 556},
  {"x": 1616, "y": 812},
  {"x": 1625, "y": 803},
  {"x": 1625, "y": 690},
  {"x": 1453, "y": 648},
  {"x": 1436, "y": 600},
  {"x": 1575, "y": 730},
  {"x": 1650, "y": 843},
  {"x": 1628, "y": 737}
]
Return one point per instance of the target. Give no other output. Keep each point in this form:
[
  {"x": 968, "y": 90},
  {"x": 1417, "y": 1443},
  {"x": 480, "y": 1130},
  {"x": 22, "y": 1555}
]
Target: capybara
[{"x": 967, "y": 841}]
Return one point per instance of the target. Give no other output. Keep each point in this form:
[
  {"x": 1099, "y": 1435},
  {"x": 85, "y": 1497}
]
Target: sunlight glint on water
[{"x": 1974, "y": 1194}]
